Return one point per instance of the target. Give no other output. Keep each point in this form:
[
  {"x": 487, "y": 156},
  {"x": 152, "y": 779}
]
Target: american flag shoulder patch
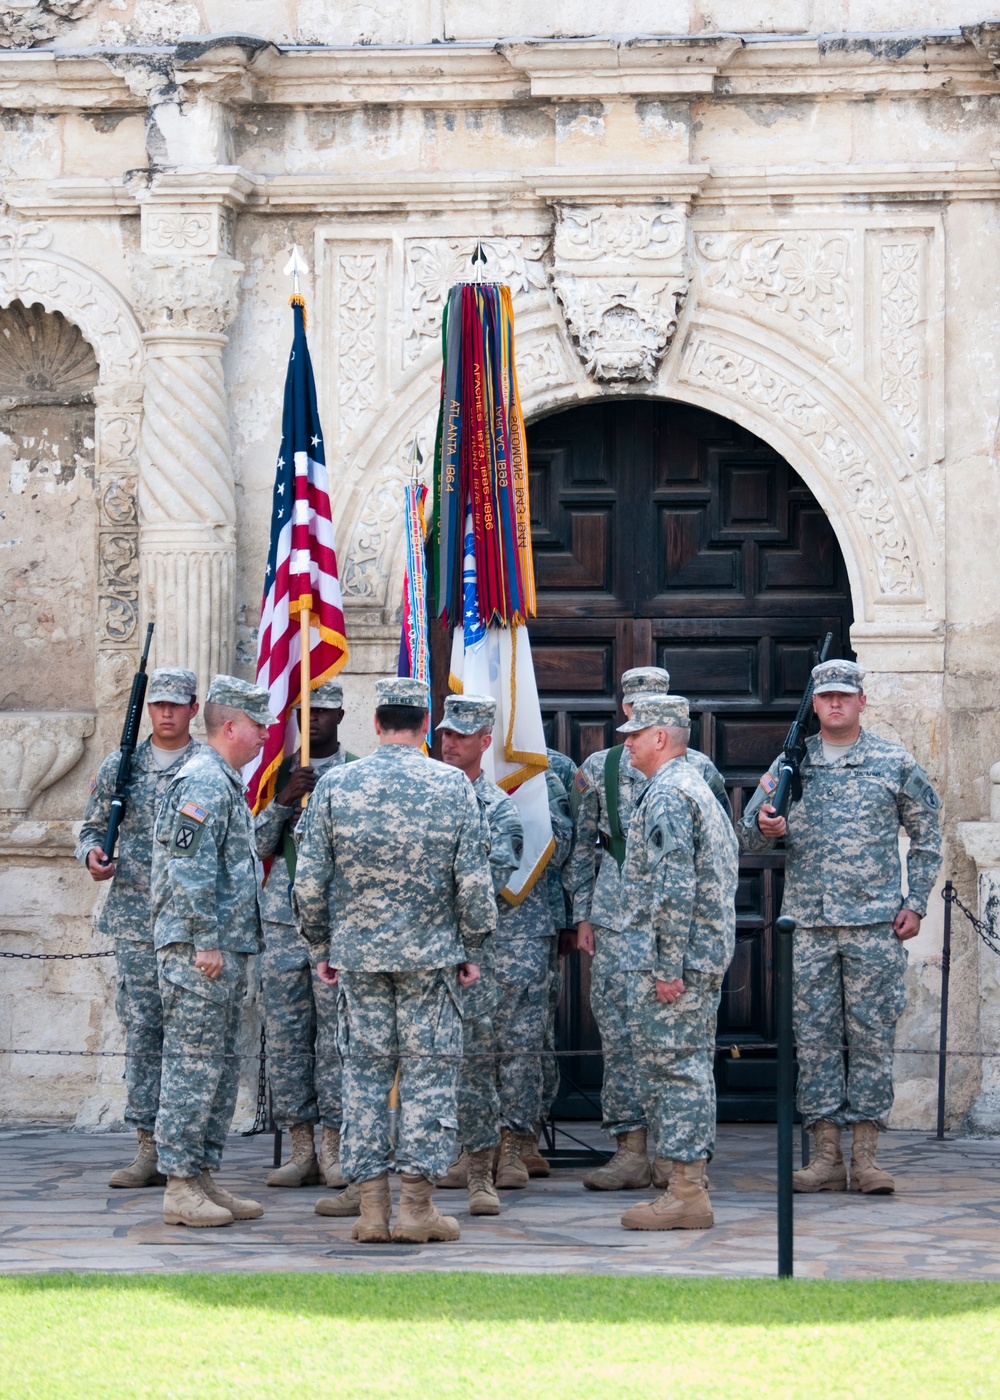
[
  {"x": 93, "y": 782},
  {"x": 196, "y": 813},
  {"x": 769, "y": 783},
  {"x": 581, "y": 782}
]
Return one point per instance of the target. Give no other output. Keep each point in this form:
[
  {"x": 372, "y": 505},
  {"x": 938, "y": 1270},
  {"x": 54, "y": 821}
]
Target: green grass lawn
[{"x": 491, "y": 1336}]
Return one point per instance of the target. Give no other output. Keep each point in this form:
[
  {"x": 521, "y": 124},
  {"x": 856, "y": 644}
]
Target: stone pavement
[{"x": 57, "y": 1213}]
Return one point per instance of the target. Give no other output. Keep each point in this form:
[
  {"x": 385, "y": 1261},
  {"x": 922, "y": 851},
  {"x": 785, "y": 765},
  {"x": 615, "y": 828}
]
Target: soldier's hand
[
  {"x": 300, "y": 781},
  {"x": 567, "y": 942},
  {"x": 467, "y": 974},
  {"x": 771, "y": 825},
  {"x": 326, "y": 973},
  {"x": 585, "y": 940},
  {"x": 209, "y": 962},
  {"x": 668, "y": 992},
  {"x": 906, "y": 925},
  {"x": 99, "y": 866}
]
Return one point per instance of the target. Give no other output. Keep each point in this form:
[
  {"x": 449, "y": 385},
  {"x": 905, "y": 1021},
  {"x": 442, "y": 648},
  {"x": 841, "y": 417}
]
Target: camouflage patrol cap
[
  {"x": 645, "y": 680},
  {"x": 328, "y": 696},
  {"x": 172, "y": 684},
  {"x": 401, "y": 690},
  {"x": 838, "y": 675},
  {"x": 666, "y": 711},
  {"x": 469, "y": 714},
  {"x": 253, "y": 700}
]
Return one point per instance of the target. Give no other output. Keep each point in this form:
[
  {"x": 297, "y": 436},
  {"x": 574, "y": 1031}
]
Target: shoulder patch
[
  {"x": 192, "y": 810},
  {"x": 919, "y": 787},
  {"x": 186, "y": 836},
  {"x": 769, "y": 783},
  {"x": 93, "y": 782},
  {"x": 581, "y": 782}
]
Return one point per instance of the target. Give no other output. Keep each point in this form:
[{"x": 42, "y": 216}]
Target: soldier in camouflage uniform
[
  {"x": 393, "y": 894},
  {"x": 678, "y": 934},
  {"x": 597, "y": 912},
  {"x": 843, "y": 889},
  {"x": 525, "y": 949},
  {"x": 171, "y": 705},
  {"x": 206, "y": 923},
  {"x": 300, "y": 1011},
  {"x": 466, "y": 733}
]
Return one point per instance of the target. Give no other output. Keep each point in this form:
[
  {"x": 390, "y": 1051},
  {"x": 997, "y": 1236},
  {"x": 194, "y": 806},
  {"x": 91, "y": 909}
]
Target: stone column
[
  {"x": 187, "y": 500},
  {"x": 981, "y": 841}
]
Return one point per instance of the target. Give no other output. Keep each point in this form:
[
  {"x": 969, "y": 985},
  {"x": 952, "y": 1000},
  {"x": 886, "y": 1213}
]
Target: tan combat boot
[
  {"x": 628, "y": 1169},
  {"x": 531, "y": 1156},
  {"x": 329, "y": 1159},
  {"x": 512, "y": 1174},
  {"x": 375, "y": 1204},
  {"x": 419, "y": 1220},
  {"x": 142, "y": 1171},
  {"x": 185, "y": 1203},
  {"x": 662, "y": 1169},
  {"x": 457, "y": 1175},
  {"x": 826, "y": 1170},
  {"x": 302, "y": 1168},
  {"x": 866, "y": 1174},
  {"x": 483, "y": 1198},
  {"x": 685, "y": 1206},
  {"x": 346, "y": 1202},
  {"x": 239, "y": 1207}
]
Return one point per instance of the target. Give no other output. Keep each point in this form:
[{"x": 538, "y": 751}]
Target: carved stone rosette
[
  {"x": 187, "y": 498},
  {"x": 621, "y": 273}
]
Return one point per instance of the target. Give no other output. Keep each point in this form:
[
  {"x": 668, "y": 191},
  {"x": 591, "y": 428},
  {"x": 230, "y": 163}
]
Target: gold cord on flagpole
[{"x": 305, "y": 681}]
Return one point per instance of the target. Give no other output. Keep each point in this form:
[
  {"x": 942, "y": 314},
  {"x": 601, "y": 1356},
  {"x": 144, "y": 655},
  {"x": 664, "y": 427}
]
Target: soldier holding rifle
[
  {"x": 843, "y": 888},
  {"x": 134, "y": 796}
]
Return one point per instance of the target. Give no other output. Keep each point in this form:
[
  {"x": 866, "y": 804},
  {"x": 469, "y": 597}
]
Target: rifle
[
  {"x": 130, "y": 737},
  {"x": 789, "y": 787}
]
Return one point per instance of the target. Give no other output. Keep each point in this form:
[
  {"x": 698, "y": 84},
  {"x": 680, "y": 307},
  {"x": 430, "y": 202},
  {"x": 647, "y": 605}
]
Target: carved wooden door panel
[{"x": 667, "y": 535}]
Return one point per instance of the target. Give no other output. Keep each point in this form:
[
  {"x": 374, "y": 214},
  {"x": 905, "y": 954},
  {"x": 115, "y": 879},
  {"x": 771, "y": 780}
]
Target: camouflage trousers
[
  {"x": 137, "y": 1002},
  {"x": 478, "y": 1100},
  {"x": 674, "y": 1049},
  {"x": 201, "y": 1066},
  {"x": 848, "y": 991},
  {"x": 621, "y": 1101},
  {"x": 412, "y": 1020},
  {"x": 303, "y": 1066},
  {"x": 550, "y": 1064},
  {"x": 523, "y": 973}
]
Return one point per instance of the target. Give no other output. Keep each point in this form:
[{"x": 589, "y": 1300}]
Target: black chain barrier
[{"x": 57, "y": 957}]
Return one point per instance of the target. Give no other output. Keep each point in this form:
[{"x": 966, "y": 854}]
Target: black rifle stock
[
  {"x": 789, "y": 787},
  {"x": 130, "y": 737}
]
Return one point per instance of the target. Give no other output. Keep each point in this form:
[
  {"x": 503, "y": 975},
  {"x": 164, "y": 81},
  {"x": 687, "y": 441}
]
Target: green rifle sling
[{"x": 612, "y": 770}]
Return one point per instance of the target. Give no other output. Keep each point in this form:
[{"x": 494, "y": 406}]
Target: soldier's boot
[
  {"x": 375, "y": 1207},
  {"x": 662, "y": 1168},
  {"x": 302, "y": 1168},
  {"x": 456, "y": 1178},
  {"x": 329, "y": 1159},
  {"x": 419, "y": 1220},
  {"x": 628, "y": 1169},
  {"x": 684, "y": 1206},
  {"x": 826, "y": 1170},
  {"x": 142, "y": 1171},
  {"x": 483, "y": 1198},
  {"x": 185, "y": 1203},
  {"x": 512, "y": 1174},
  {"x": 239, "y": 1207},
  {"x": 866, "y": 1174},
  {"x": 346, "y": 1202},
  {"x": 532, "y": 1157}
]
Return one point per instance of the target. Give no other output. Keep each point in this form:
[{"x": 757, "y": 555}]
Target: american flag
[{"x": 301, "y": 568}]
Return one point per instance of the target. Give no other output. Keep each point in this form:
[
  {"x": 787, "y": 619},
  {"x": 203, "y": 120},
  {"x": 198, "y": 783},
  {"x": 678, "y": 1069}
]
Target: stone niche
[{"x": 48, "y": 581}]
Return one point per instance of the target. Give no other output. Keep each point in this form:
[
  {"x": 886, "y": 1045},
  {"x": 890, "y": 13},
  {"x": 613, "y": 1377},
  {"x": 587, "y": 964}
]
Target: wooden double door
[{"x": 668, "y": 536}]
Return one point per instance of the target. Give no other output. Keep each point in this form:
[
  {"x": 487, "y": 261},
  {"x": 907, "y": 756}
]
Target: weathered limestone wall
[{"x": 786, "y": 230}]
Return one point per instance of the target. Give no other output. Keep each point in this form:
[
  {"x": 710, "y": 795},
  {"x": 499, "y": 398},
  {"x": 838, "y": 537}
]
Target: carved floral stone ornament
[
  {"x": 37, "y": 748},
  {"x": 24, "y": 23},
  {"x": 621, "y": 274}
]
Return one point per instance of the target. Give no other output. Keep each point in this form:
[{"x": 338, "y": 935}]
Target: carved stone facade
[{"x": 688, "y": 216}]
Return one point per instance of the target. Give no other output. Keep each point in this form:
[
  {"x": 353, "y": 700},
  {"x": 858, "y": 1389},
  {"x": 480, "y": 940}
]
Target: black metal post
[
  {"x": 943, "y": 1036},
  {"x": 784, "y": 928}
]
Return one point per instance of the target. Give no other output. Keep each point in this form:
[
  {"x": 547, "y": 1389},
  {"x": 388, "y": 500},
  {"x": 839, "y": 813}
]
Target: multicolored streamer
[{"x": 414, "y": 641}]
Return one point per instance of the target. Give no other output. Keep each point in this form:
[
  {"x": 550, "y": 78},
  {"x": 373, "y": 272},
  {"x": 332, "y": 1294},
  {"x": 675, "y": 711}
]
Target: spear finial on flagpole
[
  {"x": 295, "y": 265},
  {"x": 478, "y": 262},
  {"x": 416, "y": 458}
]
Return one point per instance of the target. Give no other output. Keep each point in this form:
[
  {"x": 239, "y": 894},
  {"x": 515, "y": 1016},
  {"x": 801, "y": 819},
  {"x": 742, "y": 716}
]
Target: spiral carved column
[{"x": 187, "y": 500}]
